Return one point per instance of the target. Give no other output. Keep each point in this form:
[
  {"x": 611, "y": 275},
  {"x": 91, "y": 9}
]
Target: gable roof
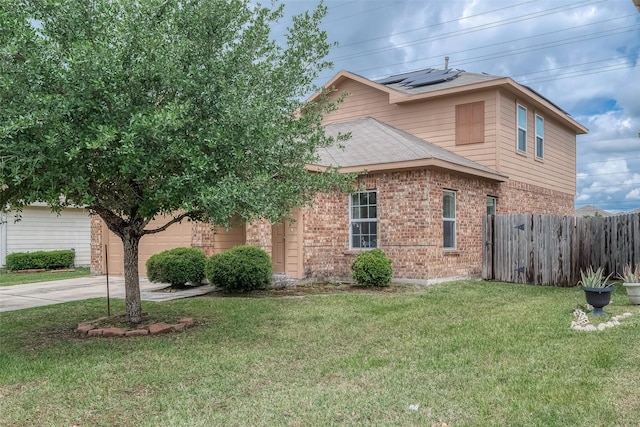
[
  {"x": 401, "y": 91},
  {"x": 590, "y": 210},
  {"x": 376, "y": 146}
]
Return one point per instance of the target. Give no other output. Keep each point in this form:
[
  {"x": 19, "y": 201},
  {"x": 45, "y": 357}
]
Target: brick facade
[
  {"x": 522, "y": 198},
  {"x": 410, "y": 226},
  {"x": 410, "y": 230}
]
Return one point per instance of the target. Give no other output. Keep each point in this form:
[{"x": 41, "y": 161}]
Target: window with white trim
[
  {"x": 522, "y": 129},
  {"x": 492, "y": 204},
  {"x": 539, "y": 137},
  {"x": 363, "y": 219},
  {"x": 449, "y": 219}
]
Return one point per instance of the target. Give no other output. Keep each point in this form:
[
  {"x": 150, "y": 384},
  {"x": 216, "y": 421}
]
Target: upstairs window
[
  {"x": 363, "y": 214},
  {"x": 449, "y": 219},
  {"x": 522, "y": 129},
  {"x": 539, "y": 137},
  {"x": 470, "y": 123}
]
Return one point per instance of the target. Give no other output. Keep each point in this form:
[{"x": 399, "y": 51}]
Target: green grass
[
  {"x": 468, "y": 353},
  {"x": 9, "y": 279}
]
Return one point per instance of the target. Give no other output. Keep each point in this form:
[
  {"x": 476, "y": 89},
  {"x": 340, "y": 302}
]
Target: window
[
  {"x": 470, "y": 123},
  {"x": 449, "y": 219},
  {"x": 492, "y": 204},
  {"x": 539, "y": 136},
  {"x": 522, "y": 129},
  {"x": 363, "y": 220}
]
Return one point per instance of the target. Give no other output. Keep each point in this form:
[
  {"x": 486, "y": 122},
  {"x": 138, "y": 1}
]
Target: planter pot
[
  {"x": 633, "y": 291},
  {"x": 598, "y": 298}
]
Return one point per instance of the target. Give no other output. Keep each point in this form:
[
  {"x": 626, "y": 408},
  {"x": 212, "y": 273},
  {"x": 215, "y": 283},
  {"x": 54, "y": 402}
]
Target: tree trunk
[{"x": 133, "y": 303}]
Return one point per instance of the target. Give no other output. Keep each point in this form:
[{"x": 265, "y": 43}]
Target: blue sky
[{"x": 582, "y": 55}]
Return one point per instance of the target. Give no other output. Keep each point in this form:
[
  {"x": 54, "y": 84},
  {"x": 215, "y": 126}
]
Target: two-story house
[{"x": 436, "y": 150}]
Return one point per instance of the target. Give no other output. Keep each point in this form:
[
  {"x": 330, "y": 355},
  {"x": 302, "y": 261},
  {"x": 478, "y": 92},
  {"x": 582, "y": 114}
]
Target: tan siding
[
  {"x": 176, "y": 236},
  {"x": 557, "y": 170},
  {"x": 433, "y": 120},
  {"x": 226, "y": 238},
  {"x": 42, "y": 230}
]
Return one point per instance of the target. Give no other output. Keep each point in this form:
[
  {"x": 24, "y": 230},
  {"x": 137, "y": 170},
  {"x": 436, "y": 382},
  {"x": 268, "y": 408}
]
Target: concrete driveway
[{"x": 17, "y": 297}]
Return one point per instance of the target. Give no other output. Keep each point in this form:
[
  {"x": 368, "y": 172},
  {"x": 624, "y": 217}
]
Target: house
[
  {"x": 436, "y": 150},
  {"x": 41, "y": 230},
  {"x": 591, "y": 211}
]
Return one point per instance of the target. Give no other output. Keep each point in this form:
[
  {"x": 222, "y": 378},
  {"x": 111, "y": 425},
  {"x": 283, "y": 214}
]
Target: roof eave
[
  {"x": 344, "y": 75},
  {"x": 416, "y": 164}
]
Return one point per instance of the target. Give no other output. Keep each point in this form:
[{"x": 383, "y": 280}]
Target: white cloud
[{"x": 633, "y": 194}]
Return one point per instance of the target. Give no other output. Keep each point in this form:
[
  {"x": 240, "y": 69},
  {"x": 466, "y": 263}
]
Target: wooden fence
[{"x": 551, "y": 250}]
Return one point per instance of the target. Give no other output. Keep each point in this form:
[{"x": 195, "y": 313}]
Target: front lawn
[
  {"x": 461, "y": 353},
  {"x": 8, "y": 279}
]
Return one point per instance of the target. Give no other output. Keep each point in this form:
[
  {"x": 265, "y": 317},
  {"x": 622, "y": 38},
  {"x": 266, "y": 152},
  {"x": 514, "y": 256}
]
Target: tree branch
[{"x": 168, "y": 224}]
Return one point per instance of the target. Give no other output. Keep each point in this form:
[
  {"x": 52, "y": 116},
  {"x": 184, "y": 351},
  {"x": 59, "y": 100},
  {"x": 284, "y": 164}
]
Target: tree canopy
[{"x": 139, "y": 108}]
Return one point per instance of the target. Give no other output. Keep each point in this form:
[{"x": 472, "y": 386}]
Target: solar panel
[
  {"x": 419, "y": 78},
  {"x": 397, "y": 78},
  {"x": 432, "y": 78}
]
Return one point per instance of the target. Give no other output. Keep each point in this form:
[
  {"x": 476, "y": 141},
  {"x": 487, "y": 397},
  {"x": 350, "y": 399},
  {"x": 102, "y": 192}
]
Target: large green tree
[{"x": 136, "y": 108}]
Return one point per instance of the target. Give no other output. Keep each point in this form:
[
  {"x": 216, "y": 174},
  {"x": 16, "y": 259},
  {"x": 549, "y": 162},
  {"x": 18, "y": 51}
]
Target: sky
[{"x": 582, "y": 55}]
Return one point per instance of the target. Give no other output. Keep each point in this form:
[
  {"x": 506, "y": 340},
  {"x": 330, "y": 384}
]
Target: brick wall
[
  {"x": 97, "y": 245},
  {"x": 410, "y": 223},
  {"x": 518, "y": 197},
  {"x": 259, "y": 234},
  {"x": 203, "y": 237}
]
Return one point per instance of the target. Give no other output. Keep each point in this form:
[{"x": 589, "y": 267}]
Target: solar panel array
[{"x": 419, "y": 78}]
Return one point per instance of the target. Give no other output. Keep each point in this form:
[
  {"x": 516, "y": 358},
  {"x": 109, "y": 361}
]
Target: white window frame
[
  {"x": 520, "y": 128},
  {"x": 353, "y": 221},
  {"x": 446, "y": 220},
  {"x": 494, "y": 204},
  {"x": 539, "y": 136}
]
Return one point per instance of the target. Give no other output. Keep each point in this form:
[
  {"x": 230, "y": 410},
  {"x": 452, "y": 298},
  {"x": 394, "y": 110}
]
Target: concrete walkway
[{"x": 17, "y": 297}]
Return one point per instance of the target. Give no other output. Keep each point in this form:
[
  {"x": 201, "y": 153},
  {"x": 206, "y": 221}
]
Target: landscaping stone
[
  {"x": 89, "y": 328},
  {"x": 188, "y": 321},
  {"x": 84, "y": 327},
  {"x": 113, "y": 332},
  {"x": 159, "y": 328},
  {"x": 178, "y": 327}
]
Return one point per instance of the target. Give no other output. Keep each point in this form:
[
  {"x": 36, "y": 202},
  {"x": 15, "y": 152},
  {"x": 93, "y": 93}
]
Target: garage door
[
  {"x": 42, "y": 230},
  {"x": 176, "y": 236}
]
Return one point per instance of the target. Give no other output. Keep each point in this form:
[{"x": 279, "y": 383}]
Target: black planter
[{"x": 598, "y": 298}]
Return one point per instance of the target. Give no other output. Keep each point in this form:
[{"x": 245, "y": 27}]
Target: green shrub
[
  {"x": 49, "y": 260},
  {"x": 240, "y": 269},
  {"x": 372, "y": 268},
  {"x": 177, "y": 266}
]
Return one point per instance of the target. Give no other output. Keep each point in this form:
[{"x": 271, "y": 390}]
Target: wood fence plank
[{"x": 551, "y": 250}]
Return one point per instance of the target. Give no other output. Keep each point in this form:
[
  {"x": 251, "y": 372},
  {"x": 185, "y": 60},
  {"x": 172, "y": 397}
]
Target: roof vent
[{"x": 446, "y": 62}]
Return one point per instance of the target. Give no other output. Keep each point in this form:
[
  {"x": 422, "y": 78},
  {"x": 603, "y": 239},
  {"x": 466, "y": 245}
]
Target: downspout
[{"x": 3, "y": 238}]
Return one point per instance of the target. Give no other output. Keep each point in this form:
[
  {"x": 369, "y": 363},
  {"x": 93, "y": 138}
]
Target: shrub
[
  {"x": 49, "y": 260},
  {"x": 240, "y": 269},
  {"x": 372, "y": 268},
  {"x": 177, "y": 266}
]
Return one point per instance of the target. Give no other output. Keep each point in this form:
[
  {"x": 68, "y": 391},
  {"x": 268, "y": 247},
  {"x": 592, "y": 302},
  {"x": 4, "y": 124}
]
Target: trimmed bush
[
  {"x": 240, "y": 269},
  {"x": 177, "y": 266},
  {"x": 372, "y": 268},
  {"x": 50, "y": 260}
]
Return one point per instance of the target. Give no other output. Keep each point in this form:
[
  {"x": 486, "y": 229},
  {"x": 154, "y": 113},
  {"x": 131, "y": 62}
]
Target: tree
[{"x": 141, "y": 108}]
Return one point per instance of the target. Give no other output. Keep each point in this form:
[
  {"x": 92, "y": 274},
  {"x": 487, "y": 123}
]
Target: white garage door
[{"x": 41, "y": 230}]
